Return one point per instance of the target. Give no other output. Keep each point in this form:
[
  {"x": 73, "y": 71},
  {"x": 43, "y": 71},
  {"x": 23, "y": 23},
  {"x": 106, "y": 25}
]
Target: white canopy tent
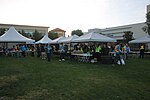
[
  {"x": 93, "y": 37},
  {"x": 69, "y": 39},
  {"x": 12, "y": 36},
  {"x": 145, "y": 39},
  {"x": 58, "y": 40},
  {"x": 44, "y": 40}
]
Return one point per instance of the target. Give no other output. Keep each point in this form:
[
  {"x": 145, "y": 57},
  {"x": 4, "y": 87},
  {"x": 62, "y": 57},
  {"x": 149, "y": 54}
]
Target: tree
[
  {"x": 36, "y": 35},
  {"x": 145, "y": 29},
  {"x": 128, "y": 36},
  {"x": 24, "y": 34},
  {"x": 2, "y": 31},
  {"x": 148, "y": 22},
  {"x": 53, "y": 35},
  {"x": 77, "y": 32}
]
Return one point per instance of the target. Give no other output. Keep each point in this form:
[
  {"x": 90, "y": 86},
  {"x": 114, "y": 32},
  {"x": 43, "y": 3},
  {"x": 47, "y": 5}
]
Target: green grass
[{"x": 34, "y": 79}]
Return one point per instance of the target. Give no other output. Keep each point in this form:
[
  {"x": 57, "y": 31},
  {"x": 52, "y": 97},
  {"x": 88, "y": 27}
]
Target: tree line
[{"x": 37, "y": 36}]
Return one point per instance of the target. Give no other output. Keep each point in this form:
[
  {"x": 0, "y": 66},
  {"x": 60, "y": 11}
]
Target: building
[
  {"x": 58, "y": 31},
  {"x": 138, "y": 30},
  {"x": 148, "y": 8},
  {"x": 26, "y": 28}
]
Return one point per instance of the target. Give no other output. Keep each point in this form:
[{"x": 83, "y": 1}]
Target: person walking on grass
[
  {"x": 118, "y": 54},
  {"x": 43, "y": 54},
  {"x": 23, "y": 49},
  {"x": 142, "y": 51},
  {"x": 38, "y": 50},
  {"x": 49, "y": 52},
  {"x": 126, "y": 50},
  {"x": 62, "y": 51}
]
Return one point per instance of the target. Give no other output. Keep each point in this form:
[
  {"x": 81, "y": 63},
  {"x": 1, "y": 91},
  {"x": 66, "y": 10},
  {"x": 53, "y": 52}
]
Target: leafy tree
[
  {"x": 36, "y": 35},
  {"x": 24, "y": 34},
  {"x": 30, "y": 35},
  {"x": 128, "y": 36},
  {"x": 145, "y": 29},
  {"x": 2, "y": 31},
  {"x": 148, "y": 22},
  {"x": 77, "y": 32},
  {"x": 53, "y": 35}
]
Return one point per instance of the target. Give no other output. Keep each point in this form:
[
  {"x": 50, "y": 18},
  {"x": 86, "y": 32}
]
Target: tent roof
[
  {"x": 145, "y": 39},
  {"x": 94, "y": 37},
  {"x": 58, "y": 40},
  {"x": 69, "y": 39},
  {"x": 13, "y": 36},
  {"x": 44, "y": 40}
]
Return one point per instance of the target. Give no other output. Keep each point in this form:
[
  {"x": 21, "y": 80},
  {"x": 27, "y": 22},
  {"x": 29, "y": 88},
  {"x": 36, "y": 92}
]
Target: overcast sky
[{"x": 73, "y": 14}]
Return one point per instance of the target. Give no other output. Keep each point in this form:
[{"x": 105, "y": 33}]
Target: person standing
[
  {"x": 32, "y": 51},
  {"x": 142, "y": 51},
  {"x": 98, "y": 50},
  {"x": 23, "y": 49},
  {"x": 65, "y": 49},
  {"x": 62, "y": 51},
  {"x": 17, "y": 50},
  {"x": 38, "y": 50},
  {"x": 118, "y": 53},
  {"x": 43, "y": 55},
  {"x": 49, "y": 52},
  {"x": 126, "y": 50}
]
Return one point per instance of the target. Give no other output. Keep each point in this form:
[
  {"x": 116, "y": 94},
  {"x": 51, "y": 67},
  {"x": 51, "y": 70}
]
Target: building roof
[
  {"x": 120, "y": 27},
  {"x": 23, "y": 25},
  {"x": 57, "y": 30}
]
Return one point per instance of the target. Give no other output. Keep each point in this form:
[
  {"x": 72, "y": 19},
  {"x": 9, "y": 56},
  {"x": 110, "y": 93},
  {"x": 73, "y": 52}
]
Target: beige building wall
[
  {"x": 61, "y": 33},
  {"x": 148, "y": 8},
  {"x": 26, "y": 28}
]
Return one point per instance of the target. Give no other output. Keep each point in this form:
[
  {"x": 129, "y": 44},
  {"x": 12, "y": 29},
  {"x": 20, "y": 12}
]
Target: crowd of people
[
  {"x": 18, "y": 50},
  {"x": 119, "y": 51}
]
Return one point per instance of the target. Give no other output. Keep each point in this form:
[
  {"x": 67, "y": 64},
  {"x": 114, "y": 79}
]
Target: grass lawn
[{"x": 34, "y": 79}]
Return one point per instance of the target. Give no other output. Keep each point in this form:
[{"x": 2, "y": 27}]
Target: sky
[{"x": 71, "y": 15}]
